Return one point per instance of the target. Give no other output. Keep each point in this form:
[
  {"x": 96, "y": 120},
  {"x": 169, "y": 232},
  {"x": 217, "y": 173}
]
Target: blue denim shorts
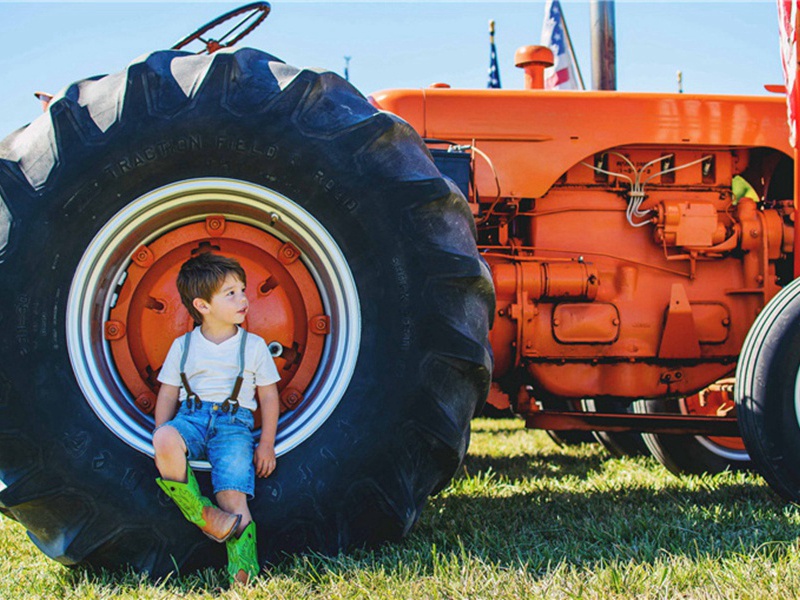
[{"x": 225, "y": 440}]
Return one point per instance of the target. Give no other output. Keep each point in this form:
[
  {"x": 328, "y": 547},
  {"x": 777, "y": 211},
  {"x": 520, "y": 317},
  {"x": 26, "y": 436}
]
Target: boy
[{"x": 210, "y": 378}]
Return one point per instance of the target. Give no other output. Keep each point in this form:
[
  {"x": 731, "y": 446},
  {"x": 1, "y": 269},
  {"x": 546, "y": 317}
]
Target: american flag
[
  {"x": 787, "y": 24},
  {"x": 494, "y": 69},
  {"x": 561, "y": 75}
]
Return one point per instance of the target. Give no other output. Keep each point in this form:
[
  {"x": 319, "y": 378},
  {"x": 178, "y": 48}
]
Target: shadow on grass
[
  {"x": 586, "y": 528},
  {"x": 537, "y": 531},
  {"x": 550, "y": 465},
  {"x": 523, "y": 514}
]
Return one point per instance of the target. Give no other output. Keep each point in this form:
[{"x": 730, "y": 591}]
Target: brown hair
[{"x": 202, "y": 276}]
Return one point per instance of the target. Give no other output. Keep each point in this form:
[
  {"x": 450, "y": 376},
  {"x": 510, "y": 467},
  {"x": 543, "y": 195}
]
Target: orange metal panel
[{"x": 534, "y": 136}]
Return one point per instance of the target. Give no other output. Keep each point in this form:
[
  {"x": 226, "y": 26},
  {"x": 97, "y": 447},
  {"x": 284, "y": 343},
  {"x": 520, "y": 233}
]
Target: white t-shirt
[{"x": 212, "y": 368}]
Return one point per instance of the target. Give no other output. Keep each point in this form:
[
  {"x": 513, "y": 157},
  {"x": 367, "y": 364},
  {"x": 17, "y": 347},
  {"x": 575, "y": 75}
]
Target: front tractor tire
[
  {"x": 362, "y": 269},
  {"x": 767, "y": 392}
]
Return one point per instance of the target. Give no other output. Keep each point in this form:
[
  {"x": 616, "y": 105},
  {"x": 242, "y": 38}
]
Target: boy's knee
[{"x": 167, "y": 440}]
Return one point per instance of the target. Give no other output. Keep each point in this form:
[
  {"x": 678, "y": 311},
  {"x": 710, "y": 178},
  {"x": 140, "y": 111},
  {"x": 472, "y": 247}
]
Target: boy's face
[{"x": 228, "y": 305}]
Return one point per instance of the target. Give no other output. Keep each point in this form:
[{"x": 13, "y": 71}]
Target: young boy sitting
[{"x": 210, "y": 379}]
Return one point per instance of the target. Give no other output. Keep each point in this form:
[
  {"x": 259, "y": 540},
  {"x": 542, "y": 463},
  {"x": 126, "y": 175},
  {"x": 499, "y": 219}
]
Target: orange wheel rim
[{"x": 123, "y": 310}]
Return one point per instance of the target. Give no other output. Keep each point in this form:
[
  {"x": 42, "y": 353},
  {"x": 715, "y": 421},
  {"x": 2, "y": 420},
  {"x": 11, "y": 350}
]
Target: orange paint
[
  {"x": 283, "y": 297},
  {"x": 623, "y": 265}
]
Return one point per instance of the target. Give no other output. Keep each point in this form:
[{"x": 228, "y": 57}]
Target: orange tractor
[
  {"x": 582, "y": 258},
  {"x": 626, "y": 268}
]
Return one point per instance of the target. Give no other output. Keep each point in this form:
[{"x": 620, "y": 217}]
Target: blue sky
[{"x": 721, "y": 47}]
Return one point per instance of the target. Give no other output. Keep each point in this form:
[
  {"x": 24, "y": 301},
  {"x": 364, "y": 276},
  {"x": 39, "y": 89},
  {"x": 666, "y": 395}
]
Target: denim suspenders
[{"x": 232, "y": 402}]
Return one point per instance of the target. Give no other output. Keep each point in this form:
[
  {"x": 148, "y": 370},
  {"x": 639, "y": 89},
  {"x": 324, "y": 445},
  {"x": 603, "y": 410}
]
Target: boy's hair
[{"x": 202, "y": 276}]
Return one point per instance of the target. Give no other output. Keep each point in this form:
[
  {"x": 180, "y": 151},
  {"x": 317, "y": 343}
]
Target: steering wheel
[{"x": 254, "y": 13}]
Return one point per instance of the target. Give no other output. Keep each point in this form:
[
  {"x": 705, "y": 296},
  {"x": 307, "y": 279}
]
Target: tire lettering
[
  {"x": 329, "y": 184},
  {"x": 406, "y": 327},
  {"x": 243, "y": 146},
  {"x": 54, "y": 330},
  {"x": 162, "y": 149},
  {"x": 21, "y": 336},
  {"x": 402, "y": 280}
]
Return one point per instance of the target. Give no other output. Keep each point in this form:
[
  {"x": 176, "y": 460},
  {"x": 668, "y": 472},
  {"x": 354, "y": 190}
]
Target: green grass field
[{"x": 524, "y": 519}]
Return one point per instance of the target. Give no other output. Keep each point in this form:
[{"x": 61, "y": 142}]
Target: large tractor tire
[
  {"x": 767, "y": 392},
  {"x": 362, "y": 269},
  {"x": 691, "y": 454}
]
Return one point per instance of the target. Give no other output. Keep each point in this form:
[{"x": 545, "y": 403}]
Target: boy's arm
[
  {"x": 166, "y": 403},
  {"x": 269, "y": 402}
]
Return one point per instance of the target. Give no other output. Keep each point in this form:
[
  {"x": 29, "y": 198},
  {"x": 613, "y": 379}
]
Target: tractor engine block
[{"x": 637, "y": 275}]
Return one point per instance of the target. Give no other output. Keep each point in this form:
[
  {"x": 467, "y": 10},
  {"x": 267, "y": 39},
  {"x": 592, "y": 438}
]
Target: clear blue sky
[{"x": 721, "y": 47}]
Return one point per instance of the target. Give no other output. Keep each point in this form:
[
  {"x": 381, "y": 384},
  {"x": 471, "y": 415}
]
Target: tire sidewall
[{"x": 766, "y": 380}]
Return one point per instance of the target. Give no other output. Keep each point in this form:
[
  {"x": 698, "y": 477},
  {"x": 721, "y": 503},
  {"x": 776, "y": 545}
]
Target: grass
[{"x": 524, "y": 519}]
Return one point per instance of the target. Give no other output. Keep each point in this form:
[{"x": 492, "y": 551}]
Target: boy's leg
[
  {"x": 235, "y": 502},
  {"x": 230, "y": 451},
  {"x": 242, "y": 553},
  {"x": 170, "y": 453},
  {"x": 179, "y": 483}
]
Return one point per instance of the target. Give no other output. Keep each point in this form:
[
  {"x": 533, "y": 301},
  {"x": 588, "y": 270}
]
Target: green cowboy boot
[
  {"x": 242, "y": 555},
  {"x": 214, "y": 522}
]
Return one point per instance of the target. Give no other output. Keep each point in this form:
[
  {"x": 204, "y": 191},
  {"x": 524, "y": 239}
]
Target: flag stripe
[
  {"x": 562, "y": 74},
  {"x": 557, "y": 79}
]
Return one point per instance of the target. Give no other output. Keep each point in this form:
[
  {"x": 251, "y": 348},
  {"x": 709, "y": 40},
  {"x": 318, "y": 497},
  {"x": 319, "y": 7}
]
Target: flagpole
[{"x": 571, "y": 50}]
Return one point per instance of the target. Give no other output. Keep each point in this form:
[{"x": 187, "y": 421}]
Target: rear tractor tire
[
  {"x": 362, "y": 269},
  {"x": 691, "y": 454},
  {"x": 618, "y": 444},
  {"x": 566, "y": 437}
]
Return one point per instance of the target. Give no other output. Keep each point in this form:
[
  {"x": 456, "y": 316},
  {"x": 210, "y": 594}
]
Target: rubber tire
[
  {"x": 401, "y": 429},
  {"x": 766, "y": 394},
  {"x": 566, "y": 437},
  {"x": 618, "y": 444},
  {"x": 684, "y": 454}
]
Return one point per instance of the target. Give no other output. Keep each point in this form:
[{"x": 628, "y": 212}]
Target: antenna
[{"x": 347, "y": 67}]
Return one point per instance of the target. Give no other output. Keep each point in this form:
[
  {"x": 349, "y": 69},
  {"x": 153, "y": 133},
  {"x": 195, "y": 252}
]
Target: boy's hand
[{"x": 264, "y": 459}]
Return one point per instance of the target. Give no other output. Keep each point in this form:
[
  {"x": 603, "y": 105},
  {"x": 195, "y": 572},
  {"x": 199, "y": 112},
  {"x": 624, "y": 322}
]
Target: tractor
[{"x": 584, "y": 260}]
